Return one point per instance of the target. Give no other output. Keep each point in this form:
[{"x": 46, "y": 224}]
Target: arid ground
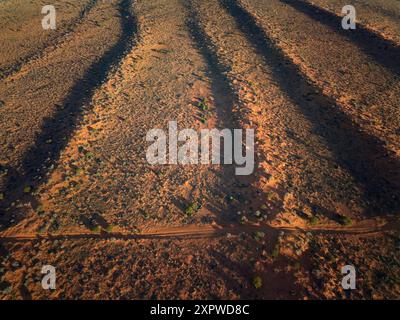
[{"x": 76, "y": 190}]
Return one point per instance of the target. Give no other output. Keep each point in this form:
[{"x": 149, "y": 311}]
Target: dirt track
[
  {"x": 364, "y": 228},
  {"x": 76, "y": 105}
]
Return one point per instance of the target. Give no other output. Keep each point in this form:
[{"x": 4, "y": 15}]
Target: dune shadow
[
  {"x": 364, "y": 156},
  {"x": 383, "y": 51}
]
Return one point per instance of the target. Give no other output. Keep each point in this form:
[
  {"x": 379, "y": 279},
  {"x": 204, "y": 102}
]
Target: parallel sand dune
[{"x": 76, "y": 189}]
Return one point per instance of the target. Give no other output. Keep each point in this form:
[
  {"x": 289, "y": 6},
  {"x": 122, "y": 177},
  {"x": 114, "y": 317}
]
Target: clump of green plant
[
  {"x": 89, "y": 155},
  {"x": 258, "y": 235},
  {"x": 192, "y": 208},
  {"x": 203, "y": 105},
  {"x": 1, "y": 196},
  {"x": 272, "y": 196},
  {"x": 243, "y": 220},
  {"x": 346, "y": 221},
  {"x": 381, "y": 220},
  {"x": 96, "y": 229},
  {"x": 145, "y": 214},
  {"x": 92, "y": 130},
  {"x": 275, "y": 251},
  {"x": 109, "y": 228},
  {"x": 40, "y": 210},
  {"x": 257, "y": 282},
  {"x": 314, "y": 220}
]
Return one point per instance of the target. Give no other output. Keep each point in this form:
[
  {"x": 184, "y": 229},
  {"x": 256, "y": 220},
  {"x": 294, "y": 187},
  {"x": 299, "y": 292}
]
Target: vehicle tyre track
[{"x": 364, "y": 228}]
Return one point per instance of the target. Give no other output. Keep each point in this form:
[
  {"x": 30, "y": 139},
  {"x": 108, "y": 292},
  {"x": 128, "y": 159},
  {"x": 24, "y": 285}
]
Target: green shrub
[
  {"x": 314, "y": 220},
  {"x": 203, "y": 105},
  {"x": 258, "y": 235},
  {"x": 344, "y": 220},
  {"x": 257, "y": 282},
  {"x": 96, "y": 229},
  {"x": 275, "y": 251},
  {"x": 192, "y": 208}
]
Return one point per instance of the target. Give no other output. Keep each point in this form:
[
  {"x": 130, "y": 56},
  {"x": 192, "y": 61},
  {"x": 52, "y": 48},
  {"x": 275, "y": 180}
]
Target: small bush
[
  {"x": 192, "y": 208},
  {"x": 344, "y": 220},
  {"x": 40, "y": 210},
  {"x": 145, "y": 214},
  {"x": 243, "y": 219},
  {"x": 96, "y": 229},
  {"x": 314, "y": 220},
  {"x": 275, "y": 251},
  {"x": 259, "y": 235},
  {"x": 257, "y": 282},
  {"x": 203, "y": 105},
  {"x": 89, "y": 155}
]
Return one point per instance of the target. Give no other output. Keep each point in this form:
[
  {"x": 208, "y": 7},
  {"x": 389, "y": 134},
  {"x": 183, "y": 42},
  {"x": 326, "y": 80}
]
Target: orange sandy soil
[{"x": 77, "y": 192}]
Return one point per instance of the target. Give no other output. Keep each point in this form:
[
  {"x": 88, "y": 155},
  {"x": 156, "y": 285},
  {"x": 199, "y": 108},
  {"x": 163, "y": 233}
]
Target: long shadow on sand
[
  {"x": 362, "y": 155},
  {"x": 378, "y": 8},
  {"x": 381, "y": 50},
  {"x": 59, "y": 128}
]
